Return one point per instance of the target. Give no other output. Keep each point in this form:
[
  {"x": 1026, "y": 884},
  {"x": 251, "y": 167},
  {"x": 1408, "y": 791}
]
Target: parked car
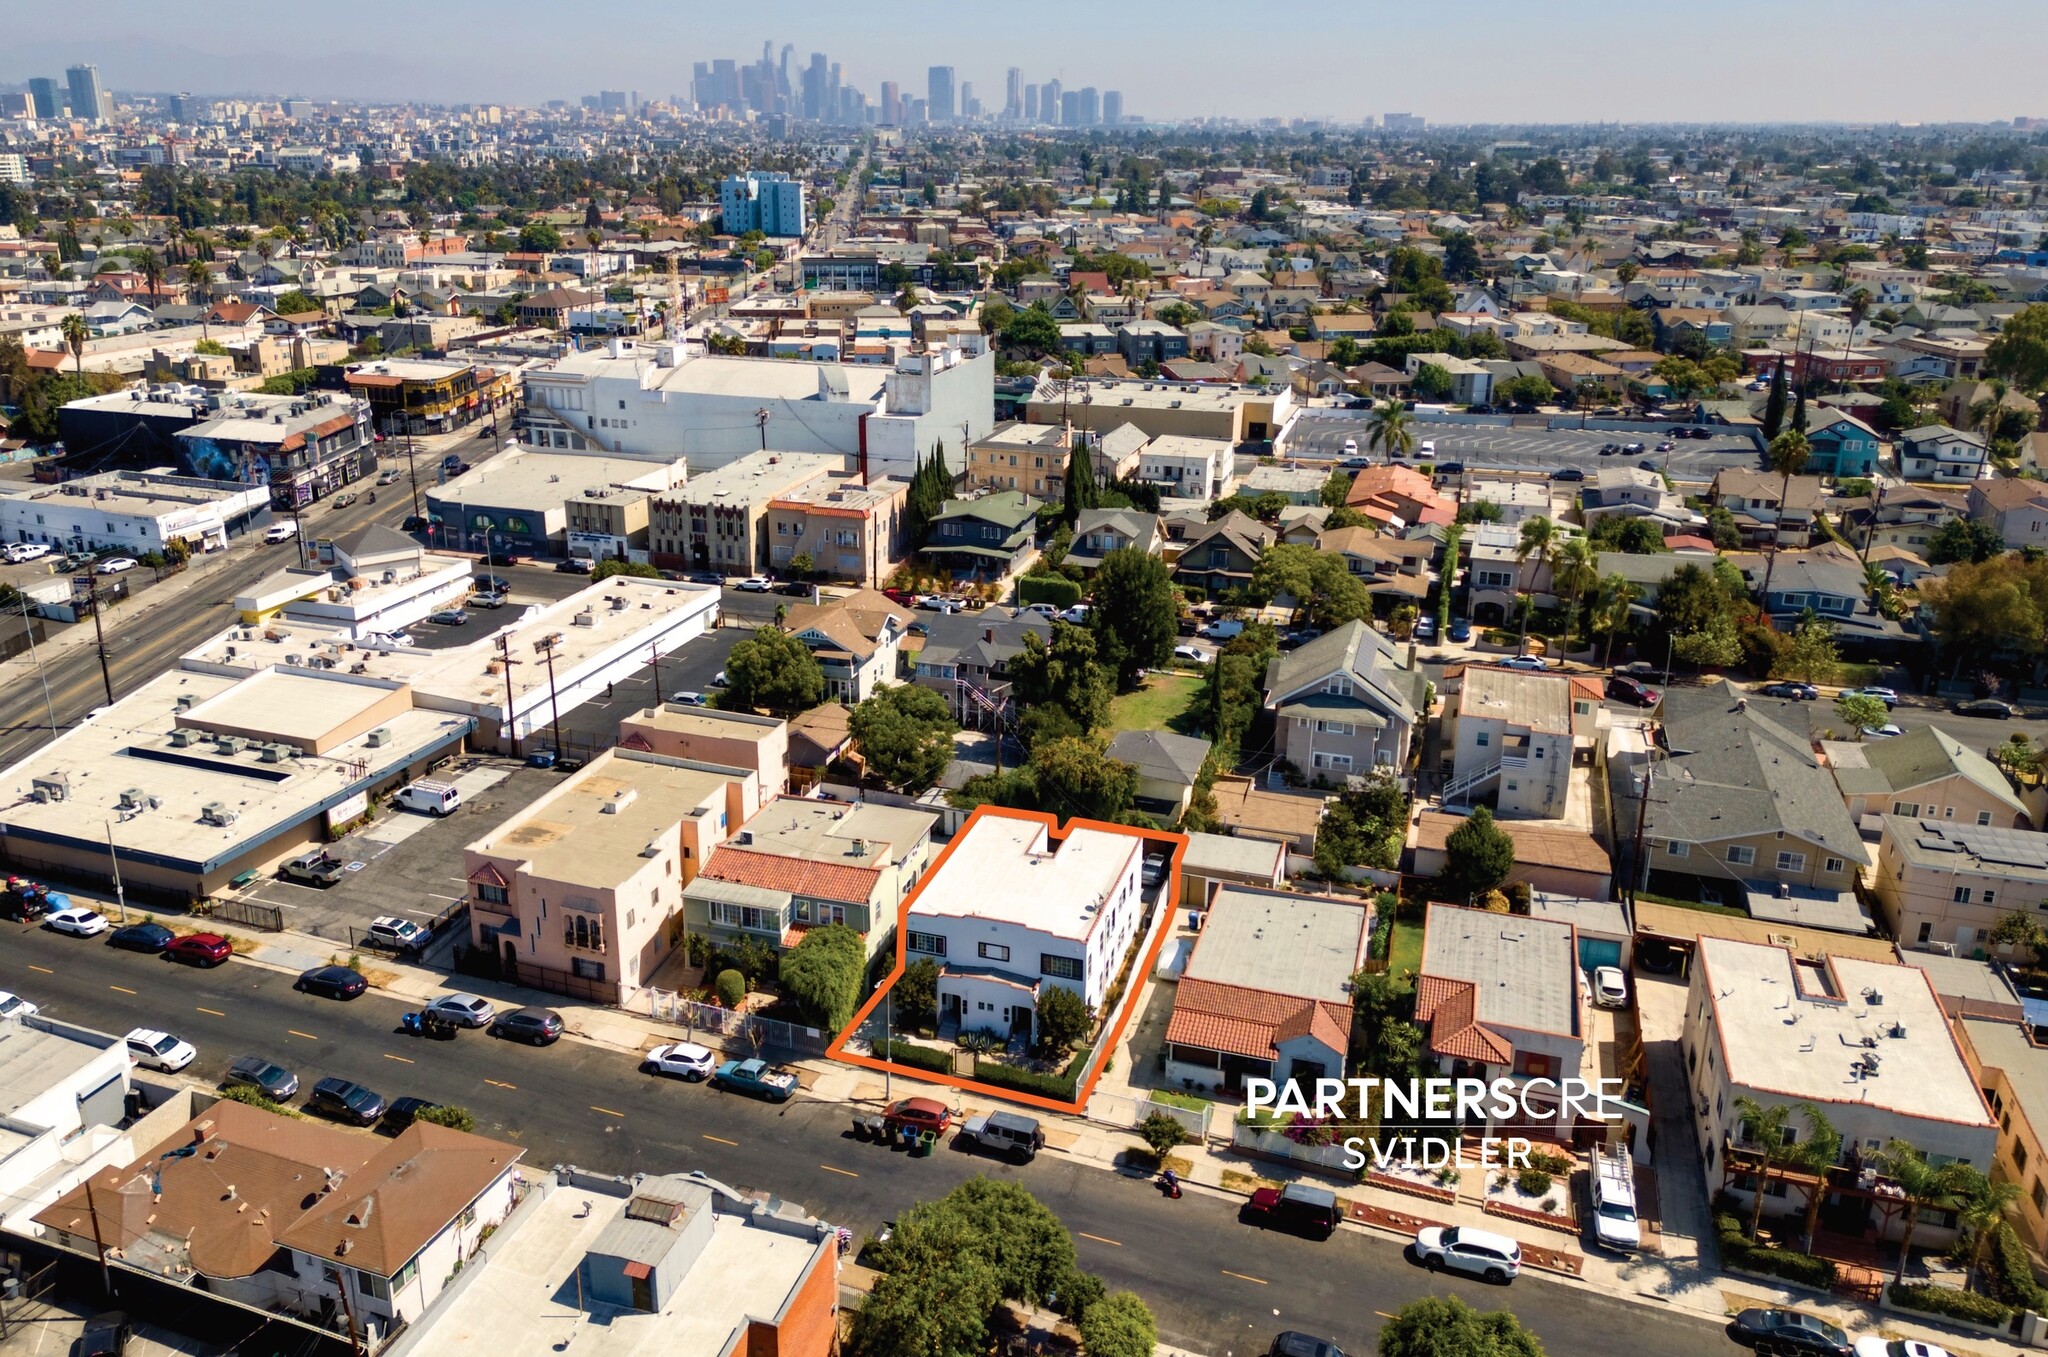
[
  {"x": 1153, "y": 872},
  {"x": 1461, "y": 630},
  {"x": 464, "y": 1010},
  {"x": 1985, "y": 706},
  {"x": 448, "y": 617},
  {"x": 1296, "y": 1344},
  {"x": 1797, "y": 692},
  {"x": 1624, "y": 689},
  {"x": 429, "y": 797},
  {"x": 14, "y": 1006},
  {"x": 1482, "y": 1253},
  {"x": 115, "y": 565},
  {"x": 389, "y": 476},
  {"x": 403, "y": 1112},
  {"x": 343, "y": 501},
  {"x": 1884, "y": 695},
  {"x": 280, "y": 532},
  {"x": 78, "y": 922},
  {"x": 345, "y": 1101},
  {"x": 1897, "y": 1347},
  {"x": 1296, "y": 1208},
  {"x": 1883, "y": 732},
  {"x": 756, "y": 1077},
  {"x": 1789, "y": 1332},
  {"x": 1610, "y": 987},
  {"x": 1570, "y": 473},
  {"x": 487, "y": 599},
  {"x": 156, "y": 1050},
  {"x": 1350, "y": 448},
  {"x": 1535, "y": 664},
  {"x": 317, "y": 868},
  {"x": 921, "y": 1114},
  {"x": 575, "y": 565},
  {"x": 104, "y": 1335},
  {"x": 689, "y": 698},
  {"x": 1426, "y": 448},
  {"x": 755, "y": 584},
  {"x": 681, "y": 1059},
  {"x": 331, "y": 982},
  {"x": 713, "y": 577},
  {"x": 1193, "y": 654},
  {"x": 1015, "y": 1137},
  {"x": 1222, "y": 629},
  {"x": 200, "y": 949},
  {"x": 147, "y": 937},
  {"x": 399, "y": 935},
  {"x": 267, "y": 1077},
  {"x": 534, "y": 1026},
  {"x": 1425, "y": 627}
]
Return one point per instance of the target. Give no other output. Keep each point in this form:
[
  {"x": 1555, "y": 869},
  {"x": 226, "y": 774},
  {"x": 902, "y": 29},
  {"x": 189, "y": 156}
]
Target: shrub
[
  {"x": 1533, "y": 1182},
  {"x": 1118, "y": 1325},
  {"x": 732, "y": 988},
  {"x": 1738, "y": 1252},
  {"x": 922, "y": 1057},
  {"x": 454, "y": 1118},
  {"x": 1950, "y": 1302},
  {"x": 2012, "y": 1276},
  {"x": 1056, "y": 1086},
  {"x": 1550, "y": 1162},
  {"x": 1162, "y": 1132},
  {"x": 754, "y": 959},
  {"x": 242, "y": 1093},
  {"x": 1057, "y": 590}
]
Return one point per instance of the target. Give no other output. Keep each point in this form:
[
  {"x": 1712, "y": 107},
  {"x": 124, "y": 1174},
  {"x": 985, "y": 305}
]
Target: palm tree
[
  {"x": 153, "y": 275},
  {"x": 1539, "y": 540},
  {"x": 1922, "y": 1184},
  {"x": 1787, "y": 455},
  {"x": 75, "y": 333},
  {"x": 1820, "y": 1151},
  {"x": 1391, "y": 431},
  {"x": 1575, "y": 575},
  {"x": 1768, "y": 1127},
  {"x": 1618, "y": 594},
  {"x": 1984, "y": 1209}
]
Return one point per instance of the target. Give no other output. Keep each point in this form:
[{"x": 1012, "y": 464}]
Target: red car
[
  {"x": 923, "y": 1114},
  {"x": 1624, "y": 689},
  {"x": 200, "y": 949}
]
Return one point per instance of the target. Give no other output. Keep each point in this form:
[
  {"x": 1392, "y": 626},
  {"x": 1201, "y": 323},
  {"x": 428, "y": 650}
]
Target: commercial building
[
  {"x": 699, "y": 734},
  {"x": 1266, "y": 993},
  {"x": 520, "y": 501},
  {"x": 426, "y": 396},
  {"x": 304, "y": 449},
  {"x": 1235, "y": 414},
  {"x": 582, "y": 892},
  {"x": 772, "y": 204},
  {"x": 374, "y": 580},
  {"x": 138, "y": 511},
  {"x": 719, "y": 520},
  {"x": 839, "y": 529},
  {"x": 1017, "y": 905},
  {"x": 63, "y": 1093},
  {"x": 282, "y": 1213},
  {"x": 1865, "y": 1042},
  {"x": 663, "y": 401}
]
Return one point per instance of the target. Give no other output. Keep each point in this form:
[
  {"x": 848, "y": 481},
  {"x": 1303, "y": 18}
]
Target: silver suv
[{"x": 1007, "y": 1134}]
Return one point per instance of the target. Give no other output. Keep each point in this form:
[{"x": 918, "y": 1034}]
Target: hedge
[
  {"x": 1738, "y": 1252},
  {"x": 2013, "y": 1274},
  {"x": 907, "y": 1053},
  {"x": 1950, "y": 1302},
  {"x": 1057, "y": 590}
]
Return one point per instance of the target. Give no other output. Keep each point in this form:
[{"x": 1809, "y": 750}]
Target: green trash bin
[{"x": 925, "y": 1142}]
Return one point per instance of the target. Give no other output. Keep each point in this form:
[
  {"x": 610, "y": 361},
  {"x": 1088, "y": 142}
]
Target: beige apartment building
[
  {"x": 1944, "y": 885},
  {"x": 582, "y": 893},
  {"x": 848, "y": 531},
  {"x": 695, "y": 733},
  {"x": 719, "y": 520},
  {"x": 2012, "y": 1070}
]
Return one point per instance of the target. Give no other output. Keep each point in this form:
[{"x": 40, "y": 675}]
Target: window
[
  {"x": 1989, "y": 897},
  {"x": 493, "y": 895},
  {"x": 749, "y": 917},
  {"x": 371, "y": 1285},
  {"x": 1907, "y": 808},
  {"x": 1059, "y": 967},
  {"x": 1338, "y": 685},
  {"x": 1791, "y": 862},
  {"x": 931, "y": 944},
  {"x": 1833, "y": 866},
  {"x": 1961, "y": 895},
  {"x": 993, "y": 951},
  {"x": 1983, "y": 817},
  {"x": 1677, "y": 848},
  {"x": 1483, "y": 739},
  {"x": 1742, "y": 855},
  {"x": 586, "y": 968},
  {"x": 1535, "y": 1066},
  {"x": 1333, "y": 762},
  {"x": 2019, "y": 1157}
]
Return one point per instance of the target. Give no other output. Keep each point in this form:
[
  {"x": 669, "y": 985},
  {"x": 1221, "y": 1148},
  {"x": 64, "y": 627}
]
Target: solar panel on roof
[{"x": 1935, "y": 843}]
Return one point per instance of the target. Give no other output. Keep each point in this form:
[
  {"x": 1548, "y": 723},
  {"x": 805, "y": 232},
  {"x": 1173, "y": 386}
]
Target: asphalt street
[
  {"x": 1480, "y": 448},
  {"x": 1218, "y": 1287}
]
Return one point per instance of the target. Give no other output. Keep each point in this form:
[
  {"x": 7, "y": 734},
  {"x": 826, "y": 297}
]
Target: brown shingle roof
[{"x": 1535, "y": 845}]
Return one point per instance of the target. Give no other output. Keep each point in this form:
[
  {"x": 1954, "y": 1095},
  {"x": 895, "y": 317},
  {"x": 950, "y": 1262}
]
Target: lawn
[
  {"x": 1162, "y": 704},
  {"x": 1404, "y": 952}
]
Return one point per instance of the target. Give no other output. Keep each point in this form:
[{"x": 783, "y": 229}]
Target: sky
[{"x": 1451, "y": 61}]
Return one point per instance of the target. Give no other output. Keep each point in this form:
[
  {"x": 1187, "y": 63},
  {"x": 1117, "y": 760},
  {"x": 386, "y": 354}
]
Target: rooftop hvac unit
[
  {"x": 619, "y": 602},
  {"x": 55, "y": 787},
  {"x": 184, "y": 702},
  {"x": 390, "y": 576},
  {"x": 217, "y": 813},
  {"x": 379, "y": 737},
  {"x": 134, "y": 798},
  {"x": 292, "y": 660},
  {"x": 181, "y": 738},
  {"x": 231, "y": 652},
  {"x": 586, "y": 618},
  {"x": 230, "y": 744},
  {"x": 278, "y": 753}
]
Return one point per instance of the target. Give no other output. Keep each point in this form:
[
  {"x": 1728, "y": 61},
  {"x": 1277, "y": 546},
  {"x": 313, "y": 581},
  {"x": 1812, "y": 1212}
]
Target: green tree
[
  {"x": 1461, "y": 257},
  {"x": 937, "y": 1292},
  {"x": 2021, "y": 930},
  {"x": 1180, "y": 315},
  {"x": 772, "y": 670},
  {"x": 931, "y": 485},
  {"x": 1319, "y": 582},
  {"x": 1539, "y": 540},
  {"x": 1614, "y": 611},
  {"x": 1363, "y": 827},
  {"x": 915, "y": 997},
  {"x": 905, "y": 734},
  {"x": 1074, "y": 777},
  {"x": 295, "y": 303},
  {"x": 1384, "y": 1035},
  {"x": 1081, "y": 489},
  {"x": 1432, "y": 382},
  {"x": 1980, "y": 609},
  {"x": 1787, "y": 456},
  {"x": 75, "y": 332},
  {"x": 1810, "y": 655},
  {"x": 612, "y": 565},
  {"x": 1133, "y": 614},
  {"x": 538, "y": 237},
  {"x": 1445, "y": 1326},
  {"x": 1118, "y": 1325},
  {"x": 1033, "y": 331},
  {"x": 1630, "y": 536},
  {"x": 1774, "y": 404},
  {"x": 1858, "y": 712},
  {"x": 1985, "y": 1207},
  {"x": 1161, "y": 1133},
  {"x": 1575, "y": 575},
  {"x": 823, "y": 974},
  {"x": 2019, "y": 351},
  {"x": 1391, "y": 431},
  {"x": 1964, "y": 539},
  {"x": 1528, "y": 389},
  {"x": 1478, "y": 855},
  {"x": 1063, "y": 1019},
  {"x": 1065, "y": 674},
  {"x": 731, "y": 988},
  {"x": 1923, "y": 1185},
  {"x": 453, "y": 1117},
  {"x": 1336, "y": 489}
]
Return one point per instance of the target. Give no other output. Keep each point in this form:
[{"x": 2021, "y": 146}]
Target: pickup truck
[
  {"x": 757, "y": 1077},
  {"x": 312, "y": 869}
]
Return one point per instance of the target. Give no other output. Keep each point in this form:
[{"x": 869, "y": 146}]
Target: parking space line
[
  {"x": 401, "y": 1059},
  {"x": 123, "y": 989},
  {"x": 607, "y": 1111},
  {"x": 1259, "y": 1281},
  {"x": 498, "y": 1083},
  {"x": 293, "y": 1031},
  {"x": 44, "y": 969},
  {"x": 844, "y": 1173},
  {"x": 214, "y": 1011},
  {"x": 721, "y": 1139},
  {"x": 1115, "y": 1243}
]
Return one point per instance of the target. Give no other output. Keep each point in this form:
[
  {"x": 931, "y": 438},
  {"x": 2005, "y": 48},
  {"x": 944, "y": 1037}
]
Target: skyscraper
[
  {"x": 970, "y": 107},
  {"x": 88, "y": 100},
  {"x": 42, "y": 93},
  {"x": 1112, "y": 106},
  {"x": 1031, "y": 103},
  {"x": 1049, "y": 102},
  {"x": 938, "y": 102},
  {"x": 892, "y": 102},
  {"x": 814, "y": 88},
  {"x": 1013, "y": 93}
]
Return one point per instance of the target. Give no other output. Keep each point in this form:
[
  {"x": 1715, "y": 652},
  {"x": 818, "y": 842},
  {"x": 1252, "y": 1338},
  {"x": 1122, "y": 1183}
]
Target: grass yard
[
  {"x": 1162, "y": 704},
  {"x": 1404, "y": 950}
]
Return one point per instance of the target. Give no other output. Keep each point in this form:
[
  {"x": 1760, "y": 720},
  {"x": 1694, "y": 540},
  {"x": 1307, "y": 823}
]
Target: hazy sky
[{"x": 1450, "y": 60}]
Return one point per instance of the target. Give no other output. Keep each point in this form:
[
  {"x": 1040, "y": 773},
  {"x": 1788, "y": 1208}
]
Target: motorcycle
[{"x": 1169, "y": 1183}]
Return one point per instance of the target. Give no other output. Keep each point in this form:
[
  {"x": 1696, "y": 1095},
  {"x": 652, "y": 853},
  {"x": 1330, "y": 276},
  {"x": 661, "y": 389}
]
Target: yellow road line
[
  {"x": 1257, "y": 1281},
  {"x": 720, "y": 1139},
  {"x": 214, "y": 1011},
  {"x": 606, "y": 1110},
  {"x": 1384, "y": 1315},
  {"x": 495, "y": 1083},
  {"x": 844, "y": 1173},
  {"x": 403, "y": 1060},
  {"x": 297, "y": 1033},
  {"x": 122, "y": 989},
  {"x": 44, "y": 969},
  {"x": 1099, "y": 1239}
]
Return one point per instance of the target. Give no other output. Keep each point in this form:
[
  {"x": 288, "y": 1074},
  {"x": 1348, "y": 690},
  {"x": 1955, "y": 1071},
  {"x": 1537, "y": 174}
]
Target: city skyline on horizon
[{"x": 1191, "y": 67}]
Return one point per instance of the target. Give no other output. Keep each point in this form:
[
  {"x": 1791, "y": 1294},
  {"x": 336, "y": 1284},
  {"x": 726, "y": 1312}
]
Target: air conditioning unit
[
  {"x": 230, "y": 744},
  {"x": 134, "y": 798},
  {"x": 278, "y": 753},
  {"x": 55, "y": 787},
  {"x": 292, "y": 660},
  {"x": 586, "y": 618},
  {"x": 184, "y": 702},
  {"x": 181, "y": 738},
  {"x": 378, "y": 738},
  {"x": 218, "y": 813}
]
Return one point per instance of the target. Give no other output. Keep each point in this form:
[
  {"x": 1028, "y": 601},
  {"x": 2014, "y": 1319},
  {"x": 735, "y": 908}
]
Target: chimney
[{"x": 988, "y": 634}]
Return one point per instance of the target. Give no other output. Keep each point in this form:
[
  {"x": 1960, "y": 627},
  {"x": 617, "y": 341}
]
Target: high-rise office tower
[
  {"x": 832, "y": 86},
  {"x": 1049, "y": 102},
  {"x": 892, "y": 102},
  {"x": 970, "y": 107},
  {"x": 938, "y": 100},
  {"x": 783, "y": 88},
  {"x": 1031, "y": 103},
  {"x": 43, "y": 94},
  {"x": 1112, "y": 106},
  {"x": 88, "y": 100},
  {"x": 814, "y": 88},
  {"x": 1013, "y": 93},
  {"x": 1091, "y": 106}
]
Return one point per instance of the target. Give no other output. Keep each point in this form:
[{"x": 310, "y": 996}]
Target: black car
[
  {"x": 1450, "y": 468},
  {"x": 1798, "y": 692},
  {"x": 491, "y": 584},
  {"x": 535, "y": 1026},
  {"x": 1570, "y": 473},
  {"x": 1984, "y": 706},
  {"x": 1296, "y": 1344},
  {"x": 149, "y": 937},
  {"x": 1786, "y": 1333},
  {"x": 267, "y": 1077},
  {"x": 706, "y": 577},
  {"x": 105, "y": 1335},
  {"x": 344, "y": 1101},
  {"x": 333, "y": 982},
  {"x": 404, "y": 1112}
]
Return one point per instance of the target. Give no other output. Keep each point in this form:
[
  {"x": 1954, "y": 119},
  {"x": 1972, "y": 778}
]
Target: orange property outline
[{"x": 1169, "y": 901}]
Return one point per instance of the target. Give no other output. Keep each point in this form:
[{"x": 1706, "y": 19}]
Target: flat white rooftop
[
  {"x": 707, "y": 374},
  {"x": 1004, "y": 869},
  {"x": 1799, "y": 1029},
  {"x": 528, "y": 477}
]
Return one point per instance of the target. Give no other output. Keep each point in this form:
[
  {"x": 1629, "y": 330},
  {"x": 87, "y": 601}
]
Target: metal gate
[{"x": 268, "y": 918}]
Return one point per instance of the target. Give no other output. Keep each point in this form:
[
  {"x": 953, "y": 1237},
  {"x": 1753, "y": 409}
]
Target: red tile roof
[
  {"x": 1248, "y": 1022},
  {"x": 1449, "y": 1006},
  {"x": 797, "y": 876}
]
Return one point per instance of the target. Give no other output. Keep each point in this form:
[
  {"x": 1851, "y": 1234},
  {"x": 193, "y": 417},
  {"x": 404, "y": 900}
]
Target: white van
[
  {"x": 1222, "y": 630},
  {"x": 280, "y": 532},
  {"x": 1613, "y": 1188},
  {"x": 434, "y": 798}
]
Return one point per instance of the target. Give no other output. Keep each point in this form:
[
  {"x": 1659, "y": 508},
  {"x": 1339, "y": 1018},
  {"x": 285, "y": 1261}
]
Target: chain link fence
[{"x": 735, "y": 1029}]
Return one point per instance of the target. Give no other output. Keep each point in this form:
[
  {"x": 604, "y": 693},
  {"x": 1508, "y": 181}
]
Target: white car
[
  {"x": 1350, "y": 447},
  {"x": 159, "y": 1050},
  {"x": 466, "y": 1010},
  {"x": 79, "y": 923},
  {"x": 1883, "y": 732},
  {"x": 280, "y": 532},
  {"x": 14, "y": 1006},
  {"x": 757, "y": 584},
  {"x": 115, "y": 565},
  {"x": 1427, "y": 447},
  {"x": 1481, "y": 1253},
  {"x": 1190, "y": 653},
  {"x": 684, "y": 1059},
  {"x": 1610, "y": 987},
  {"x": 1897, "y": 1347},
  {"x": 1077, "y": 615}
]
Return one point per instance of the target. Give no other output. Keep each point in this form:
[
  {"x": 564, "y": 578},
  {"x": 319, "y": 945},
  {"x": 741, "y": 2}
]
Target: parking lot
[{"x": 1483, "y": 448}]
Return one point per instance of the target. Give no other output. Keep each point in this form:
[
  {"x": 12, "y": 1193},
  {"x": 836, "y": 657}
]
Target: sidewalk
[{"x": 1676, "y": 1278}]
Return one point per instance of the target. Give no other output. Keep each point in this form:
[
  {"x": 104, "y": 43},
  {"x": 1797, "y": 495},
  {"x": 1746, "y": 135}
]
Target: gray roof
[
  {"x": 985, "y": 639},
  {"x": 643, "y": 1231},
  {"x": 1135, "y": 524},
  {"x": 1797, "y": 574},
  {"x": 1228, "y": 853},
  {"x": 1595, "y": 918},
  {"x": 2019, "y": 856},
  {"x": 1279, "y": 942},
  {"x": 1524, "y": 970},
  {"x": 1161, "y": 754},
  {"x": 374, "y": 540},
  {"x": 1929, "y": 754},
  {"x": 2004, "y": 1045},
  {"x": 1358, "y": 650},
  {"x": 1736, "y": 768}
]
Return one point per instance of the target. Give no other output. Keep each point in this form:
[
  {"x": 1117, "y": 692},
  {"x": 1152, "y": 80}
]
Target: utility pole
[
  {"x": 1639, "y": 869},
  {"x": 98, "y": 1239},
  {"x": 761, "y": 419},
  {"x": 654, "y": 663},
  {"x": 99, "y": 632},
  {"x": 1870, "y": 528},
  {"x": 511, "y": 719},
  {"x": 120, "y": 895},
  {"x": 298, "y": 528},
  {"x": 546, "y": 648},
  {"x": 413, "y": 472},
  {"x": 28, "y": 628}
]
